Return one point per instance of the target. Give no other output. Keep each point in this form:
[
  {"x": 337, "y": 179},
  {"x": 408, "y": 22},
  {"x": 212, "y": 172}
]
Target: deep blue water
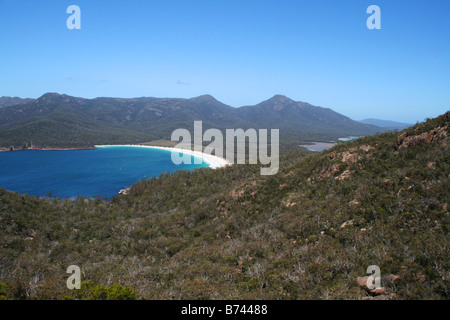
[{"x": 89, "y": 173}]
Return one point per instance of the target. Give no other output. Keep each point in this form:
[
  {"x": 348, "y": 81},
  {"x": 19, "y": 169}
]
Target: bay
[{"x": 93, "y": 172}]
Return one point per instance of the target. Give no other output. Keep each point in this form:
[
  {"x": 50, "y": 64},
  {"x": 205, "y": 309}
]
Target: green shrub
[{"x": 91, "y": 291}]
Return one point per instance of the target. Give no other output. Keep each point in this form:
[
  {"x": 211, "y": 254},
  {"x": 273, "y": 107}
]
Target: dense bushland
[{"x": 305, "y": 233}]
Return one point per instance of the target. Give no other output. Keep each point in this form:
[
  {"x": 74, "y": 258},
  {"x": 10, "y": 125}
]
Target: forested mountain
[
  {"x": 301, "y": 119},
  {"x": 10, "y": 101},
  {"x": 308, "y": 232},
  {"x": 55, "y": 120}
]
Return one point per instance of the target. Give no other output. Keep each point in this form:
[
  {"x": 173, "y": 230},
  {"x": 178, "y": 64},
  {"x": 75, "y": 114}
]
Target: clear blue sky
[{"x": 240, "y": 51}]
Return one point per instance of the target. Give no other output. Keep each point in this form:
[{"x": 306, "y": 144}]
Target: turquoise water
[
  {"x": 94, "y": 172},
  {"x": 348, "y": 139}
]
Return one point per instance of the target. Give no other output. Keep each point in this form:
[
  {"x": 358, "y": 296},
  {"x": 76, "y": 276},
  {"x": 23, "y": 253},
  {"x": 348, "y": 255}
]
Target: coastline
[
  {"x": 214, "y": 162},
  {"x": 46, "y": 149}
]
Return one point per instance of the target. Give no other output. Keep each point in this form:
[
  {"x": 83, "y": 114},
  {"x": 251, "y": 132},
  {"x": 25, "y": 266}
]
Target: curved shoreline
[
  {"x": 214, "y": 162},
  {"x": 2, "y": 149}
]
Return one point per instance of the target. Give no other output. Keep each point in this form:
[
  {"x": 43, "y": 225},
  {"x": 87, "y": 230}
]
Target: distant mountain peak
[
  {"x": 50, "y": 95},
  {"x": 280, "y": 99},
  {"x": 279, "y": 102},
  {"x": 54, "y": 97},
  {"x": 205, "y": 97}
]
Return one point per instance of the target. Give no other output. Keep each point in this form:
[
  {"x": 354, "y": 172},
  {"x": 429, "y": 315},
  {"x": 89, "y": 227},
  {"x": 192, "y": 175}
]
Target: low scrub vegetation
[{"x": 307, "y": 232}]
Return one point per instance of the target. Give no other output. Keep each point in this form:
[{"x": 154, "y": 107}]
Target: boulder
[
  {"x": 362, "y": 281},
  {"x": 125, "y": 191},
  {"x": 344, "y": 175},
  {"x": 366, "y": 148},
  {"x": 349, "y": 223},
  {"x": 349, "y": 157}
]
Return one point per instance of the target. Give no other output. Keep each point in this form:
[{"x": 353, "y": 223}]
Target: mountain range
[
  {"x": 391, "y": 125},
  {"x": 59, "y": 120},
  {"x": 9, "y": 101}
]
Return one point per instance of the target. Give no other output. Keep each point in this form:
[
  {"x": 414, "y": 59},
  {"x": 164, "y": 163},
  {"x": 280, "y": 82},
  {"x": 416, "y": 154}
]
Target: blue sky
[{"x": 240, "y": 51}]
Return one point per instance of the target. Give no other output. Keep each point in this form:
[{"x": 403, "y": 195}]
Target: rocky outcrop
[
  {"x": 331, "y": 170},
  {"x": 344, "y": 175},
  {"x": 351, "y": 156},
  {"x": 380, "y": 293},
  {"x": 366, "y": 148},
  {"x": 125, "y": 191},
  {"x": 436, "y": 135}
]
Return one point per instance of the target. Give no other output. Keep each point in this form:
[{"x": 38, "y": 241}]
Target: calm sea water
[{"x": 103, "y": 171}]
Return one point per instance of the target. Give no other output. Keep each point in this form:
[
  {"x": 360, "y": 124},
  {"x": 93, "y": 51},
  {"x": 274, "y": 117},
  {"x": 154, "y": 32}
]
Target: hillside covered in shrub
[{"x": 308, "y": 232}]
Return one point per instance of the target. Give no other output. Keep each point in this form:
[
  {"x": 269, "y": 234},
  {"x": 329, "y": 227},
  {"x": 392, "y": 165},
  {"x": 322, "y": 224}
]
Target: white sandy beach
[{"x": 213, "y": 161}]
